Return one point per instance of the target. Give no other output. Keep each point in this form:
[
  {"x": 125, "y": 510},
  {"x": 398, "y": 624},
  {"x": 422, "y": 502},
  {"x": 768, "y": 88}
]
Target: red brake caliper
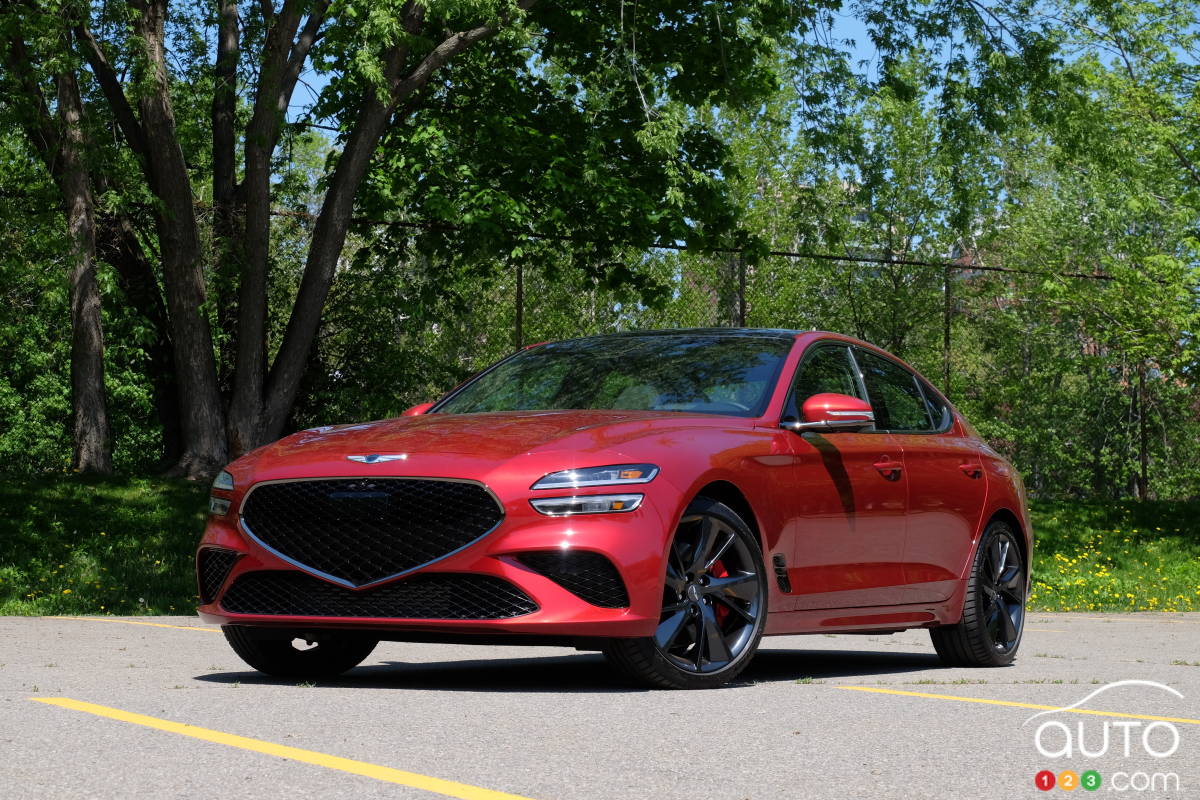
[{"x": 718, "y": 571}]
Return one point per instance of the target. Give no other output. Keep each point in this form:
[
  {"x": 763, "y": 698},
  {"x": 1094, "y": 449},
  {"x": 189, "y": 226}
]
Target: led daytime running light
[{"x": 589, "y": 504}]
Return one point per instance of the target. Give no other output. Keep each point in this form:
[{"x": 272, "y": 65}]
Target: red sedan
[{"x": 667, "y": 497}]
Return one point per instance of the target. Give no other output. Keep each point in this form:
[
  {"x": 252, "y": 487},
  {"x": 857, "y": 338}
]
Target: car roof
[{"x": 761, "y": 333}]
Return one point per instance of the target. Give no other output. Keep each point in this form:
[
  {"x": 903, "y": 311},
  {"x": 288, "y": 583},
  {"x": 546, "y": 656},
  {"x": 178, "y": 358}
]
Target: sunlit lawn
[
  {"x": 1116, "y": 556},
  {"x": 71, "y": 545}
]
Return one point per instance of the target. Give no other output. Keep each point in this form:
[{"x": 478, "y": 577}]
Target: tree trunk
[
  {"x": 282, "y": 61},
  {"x": 333, "y": 223},
  {"x": 947, "y": 320},
  {"x": 519, "y": 308},
  {"x": 328, "y": 238},
  {"x": 117, "y": 244},
  {"x": 1143, "y": 444},
  {"x": 89, "y": 410},
  {"x": 61, "y": 149},
  {"x": 224, "y": 182},
  {"x": 741, "y": 276},
  {"x": 200, "y": 402}
]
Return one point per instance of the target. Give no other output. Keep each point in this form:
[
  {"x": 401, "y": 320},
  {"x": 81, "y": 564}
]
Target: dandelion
[{"x": 66, "y": 591}]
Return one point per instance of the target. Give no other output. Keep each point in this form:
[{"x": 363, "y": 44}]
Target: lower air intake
[
  {"x": 430, "y": 596},
  {"x": 589, "y": 576},
  {"x": 212, "y": 568}
]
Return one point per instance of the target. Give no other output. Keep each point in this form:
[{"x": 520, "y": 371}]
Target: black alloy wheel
[
  {"x": 714, "y": 605},
  {"x": 993, "y": 619}
]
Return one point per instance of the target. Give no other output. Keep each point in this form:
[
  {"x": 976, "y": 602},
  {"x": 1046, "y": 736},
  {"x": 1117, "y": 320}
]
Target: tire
[
  {"x": 993, "y": 617},
  {"x": 275, "y": 653},
  {"x": 714, "y": 605}
]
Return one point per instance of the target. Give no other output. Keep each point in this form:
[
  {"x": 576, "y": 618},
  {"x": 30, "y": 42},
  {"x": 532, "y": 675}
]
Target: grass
[
  {"x": 79, "y": 545},
  {"x": 1122, "y": 556}
]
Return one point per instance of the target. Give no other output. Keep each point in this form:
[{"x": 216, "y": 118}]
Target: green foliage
[
  {"x": 35, "y": 336},
  {"x": 1116, "y": 557},
  {"x": 568, "y": 145},
  {"x": 73, "y": 545},
  {"x": 35, "y": 406}
]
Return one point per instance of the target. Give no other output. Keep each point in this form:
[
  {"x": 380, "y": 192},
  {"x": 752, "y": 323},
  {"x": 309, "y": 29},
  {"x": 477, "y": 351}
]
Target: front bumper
[{"x": 633, "y": 542}]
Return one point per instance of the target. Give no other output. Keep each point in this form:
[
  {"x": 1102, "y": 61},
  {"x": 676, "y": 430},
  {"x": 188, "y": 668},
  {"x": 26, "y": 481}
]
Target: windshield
[{"x": 706, "y": 374}]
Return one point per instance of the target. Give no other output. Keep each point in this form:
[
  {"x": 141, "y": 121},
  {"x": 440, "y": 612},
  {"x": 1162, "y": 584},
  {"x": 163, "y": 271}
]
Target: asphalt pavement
[{"x": 160, "y": 707}]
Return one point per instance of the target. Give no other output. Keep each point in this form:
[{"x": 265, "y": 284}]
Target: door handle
[
  {"x": 888, "y": 467},
  {"x": 971, "y": 470}
]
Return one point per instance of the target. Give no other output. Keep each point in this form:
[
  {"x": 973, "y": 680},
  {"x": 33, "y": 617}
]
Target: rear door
[
  {"x": 946, "y": 488},
  {"x": 846, "y": 508}
]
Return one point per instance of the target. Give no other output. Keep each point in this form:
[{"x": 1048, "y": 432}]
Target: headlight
[
  {"x": 219, "y": 506},
  {"x": 610, "y": 475},
  {"x": 593, "y": 504}
]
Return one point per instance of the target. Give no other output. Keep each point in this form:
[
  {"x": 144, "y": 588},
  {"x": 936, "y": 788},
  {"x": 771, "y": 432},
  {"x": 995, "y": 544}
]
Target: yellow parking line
[
  {"x": 135, "y": 622},
  {"x": 877, "y": 690},
  {"x": 387, "y": 774}
]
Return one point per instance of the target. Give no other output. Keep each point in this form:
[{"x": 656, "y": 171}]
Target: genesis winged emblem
[{"x": 375, "y": 458}]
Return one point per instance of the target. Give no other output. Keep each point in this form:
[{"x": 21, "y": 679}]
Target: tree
[
  {"x": 60, "y": 141},
  {"x": 383, "y": 59}
]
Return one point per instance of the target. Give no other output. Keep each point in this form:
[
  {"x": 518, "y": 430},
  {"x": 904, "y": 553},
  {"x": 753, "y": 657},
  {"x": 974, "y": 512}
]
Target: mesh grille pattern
[
  {"x": 591, "y": 576},
  {"x": 363, "y": 530},
  {"x": 430, "y": 596},
  {"x": 212, "y": 568}
]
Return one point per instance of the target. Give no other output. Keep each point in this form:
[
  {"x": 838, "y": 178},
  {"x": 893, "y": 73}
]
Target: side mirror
[
  {"x": 829, "y": 411},
  {"x": 417, "y": 410}
]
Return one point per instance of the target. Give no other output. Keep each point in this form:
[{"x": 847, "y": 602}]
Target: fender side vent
[{"x": 781, "y": 575}]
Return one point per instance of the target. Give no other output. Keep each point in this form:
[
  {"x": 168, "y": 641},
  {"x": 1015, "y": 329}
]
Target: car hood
[{"x": 494, "y": 437}]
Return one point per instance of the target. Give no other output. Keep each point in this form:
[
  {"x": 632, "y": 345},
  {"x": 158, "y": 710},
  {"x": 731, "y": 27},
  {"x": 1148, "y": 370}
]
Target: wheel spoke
[
  {"x": 992, "y": 616},
  {"x": 669, "y": 628},
  {"x": 675, "y": 559},
  {"x": 744, "y": 586},
  {"x": 1007, "y": 629},
  {"x": 735, "y": 607},
  {"x": 993, "y": 559},
  {"x": 675, "y": 579},
  {"x": 1010, "y": 578},
  {"x": 720, "y": 551},
  {"x": 704, "y": 545},
  {"x": 714, "y": 640}
]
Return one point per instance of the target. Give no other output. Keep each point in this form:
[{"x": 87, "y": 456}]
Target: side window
[
  {"x": 939, "y": 412},
  {"x": 895, "y": 397},
  {"x": 827, "y": 369}
]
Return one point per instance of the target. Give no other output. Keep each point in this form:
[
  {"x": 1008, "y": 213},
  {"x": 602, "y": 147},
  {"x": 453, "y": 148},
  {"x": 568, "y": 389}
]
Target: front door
[{"x": 847, "y": 503}]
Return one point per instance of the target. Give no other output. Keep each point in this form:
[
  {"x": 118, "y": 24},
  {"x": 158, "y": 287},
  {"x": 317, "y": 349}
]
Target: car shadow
[{"x": 589, "y": 672}]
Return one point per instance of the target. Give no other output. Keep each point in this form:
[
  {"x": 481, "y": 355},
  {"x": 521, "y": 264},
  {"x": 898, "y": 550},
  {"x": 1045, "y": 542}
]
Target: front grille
[
  {"x": 427, "y": 596},
  {"x": 212, "y": 568},
  {"x": 590, "y": 576},
  {"x": 363, "y": 530}
]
